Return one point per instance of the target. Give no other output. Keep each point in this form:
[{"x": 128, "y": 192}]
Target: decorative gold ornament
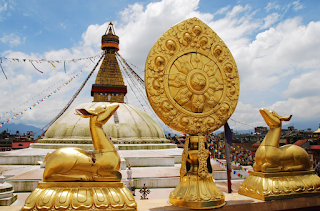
[
  {"x": 272, "y": 158},
  {"x": 83, "y": 169},
  {"x": 192, "y": 80},
  {"x": 192, "y": 83},
  {"x": 279, "y": 172},
  {"x": 87, "y": 196},
  {"x": 280, "y": 185},
  {"x": 196, "y": 188}
]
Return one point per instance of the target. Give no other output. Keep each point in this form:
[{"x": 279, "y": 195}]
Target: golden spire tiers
[
  {"x": 192, "y": 83},
  {"x": 109, "y": 85}
]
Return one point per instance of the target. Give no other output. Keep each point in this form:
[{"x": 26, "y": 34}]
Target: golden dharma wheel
[{"x": 191, "y": 78}]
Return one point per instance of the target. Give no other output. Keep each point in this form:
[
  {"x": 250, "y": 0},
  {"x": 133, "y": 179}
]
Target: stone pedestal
[{"x": 6, "y": 193}]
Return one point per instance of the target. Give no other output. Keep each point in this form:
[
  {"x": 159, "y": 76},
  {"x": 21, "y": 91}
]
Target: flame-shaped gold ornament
[{"x": 192, "y": 83}]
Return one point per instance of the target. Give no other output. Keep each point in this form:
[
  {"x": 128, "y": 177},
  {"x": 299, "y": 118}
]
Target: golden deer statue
[
  {"x": 279, "y": 172},
  {"x": 75, "y": 164},
  {"x": 272, "y": 158}
]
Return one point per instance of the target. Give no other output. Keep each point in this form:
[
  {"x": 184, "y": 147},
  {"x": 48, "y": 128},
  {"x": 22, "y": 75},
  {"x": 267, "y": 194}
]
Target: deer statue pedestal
[
  {"x": 280, "y": 185},
  {"x": 80, "y": 195},
  {"x": 279, "y": 172},
  {"x": 76, "y": 179}
]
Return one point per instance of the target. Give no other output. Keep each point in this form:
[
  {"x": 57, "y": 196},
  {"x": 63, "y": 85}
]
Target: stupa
[{"x": 129, "y": 128}]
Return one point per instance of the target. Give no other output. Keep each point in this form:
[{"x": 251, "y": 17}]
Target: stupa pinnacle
[
  {"x": 129, "y": 127},
  {"x": 109, "y": 85}
]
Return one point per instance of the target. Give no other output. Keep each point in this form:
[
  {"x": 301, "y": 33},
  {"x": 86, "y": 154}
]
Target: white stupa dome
[{"x": 128, "y": 128}]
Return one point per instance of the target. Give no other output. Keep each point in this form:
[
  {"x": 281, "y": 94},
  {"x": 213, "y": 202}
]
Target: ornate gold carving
[
  {"x": 75, "y": 164},
  {"x": 203, "y": 155},
  {"x": 183, "y": 169},
  {"x": 80, "y": 196},
  {"x": 191, "y": 69},
  {"x": 198, "y": 193},
  {"x": 192, "y": 84},
  {"x": 280, "y": 185},
  {"x": 279, "y": 172},
  {"x": 272, "y": 158}
]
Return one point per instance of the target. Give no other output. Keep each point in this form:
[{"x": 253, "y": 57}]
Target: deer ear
[
  {"x": 83, "y": 113},
  {"x": 286, "y": 118}
]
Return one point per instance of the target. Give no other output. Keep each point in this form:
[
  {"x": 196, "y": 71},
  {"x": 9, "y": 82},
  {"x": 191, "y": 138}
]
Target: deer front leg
[
  {"x": 256, "y": 167},
  {"x": 77, "y": 176},
  {"x": 268, "y": 167}
]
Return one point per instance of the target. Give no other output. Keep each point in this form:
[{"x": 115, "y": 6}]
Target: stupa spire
[{"x": 109, "y": 85}]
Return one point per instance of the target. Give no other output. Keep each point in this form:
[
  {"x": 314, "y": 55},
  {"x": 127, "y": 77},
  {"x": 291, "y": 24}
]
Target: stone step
[
  {"x": 21, "y": 160},
  {"x": 149, "y": 161},
  {"x": 145, "y": 146},
  {"x": 120, "y": 146},
  {"x": 149, "y": 158}
]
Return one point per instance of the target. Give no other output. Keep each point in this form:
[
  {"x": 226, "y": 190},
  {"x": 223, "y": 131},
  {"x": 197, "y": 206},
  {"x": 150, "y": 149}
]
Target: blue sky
[{"x": 275, "y": 44}]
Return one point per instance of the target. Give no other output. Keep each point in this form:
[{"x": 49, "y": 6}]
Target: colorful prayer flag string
[
  {"x": 39, "y": 101},
  {"x": 2, "y": 68},
  {"x": 242, "y": 123},
  {"x": 139, "y": 79},
  {"x": 44, "y": 60},
  {"x": 233, "y": 171},
  {"x": 35, "y": 67},
  {"x": 51, "y": 61},
  {"x": 131, "y": 87},
  {"x": 122, "y": 61}
]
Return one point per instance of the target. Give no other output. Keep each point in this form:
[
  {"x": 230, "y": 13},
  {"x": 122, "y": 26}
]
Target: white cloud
[
  {"x": 141, "y": 27},
  {"x": 305, "y": 85},
  {"x": 302, "y": 108},
  {"x": 12, "y": 39},
  {"x": 25, "y": 86},
  {"x": 297, "y": 6},
  {"x": 131, "y": 13},
  {"x": 223, "y": 10},
  {"x": 270, "y": 20},
  {"x": 62, "y": 25},
  {"x": 279, "y": 52},
  {"x": 282, "y": 55},
  {"x": 245, "y": 117},
  {"x": 271, "y": 6},
  {"x": 4, "y": 7},
  {"x": 39, "y": 32}
]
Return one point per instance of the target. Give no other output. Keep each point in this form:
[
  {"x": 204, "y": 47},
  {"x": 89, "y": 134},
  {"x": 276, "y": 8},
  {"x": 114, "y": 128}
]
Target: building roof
[
  {"x": 20, "y": 144},
  {"x": 317, "y": 147},
  {"x": 300, "y": 142}
]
